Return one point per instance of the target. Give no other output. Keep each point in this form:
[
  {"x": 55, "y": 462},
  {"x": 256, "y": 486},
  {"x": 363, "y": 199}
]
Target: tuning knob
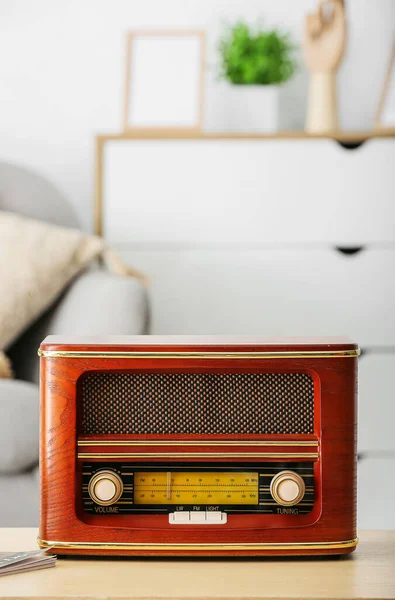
[
  {"x": 287, "y": 488},
  {"x": 105, "y": 487}
]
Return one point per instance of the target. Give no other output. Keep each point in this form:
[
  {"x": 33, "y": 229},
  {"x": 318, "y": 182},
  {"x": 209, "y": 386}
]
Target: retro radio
[{"x": 198, "y": 446}]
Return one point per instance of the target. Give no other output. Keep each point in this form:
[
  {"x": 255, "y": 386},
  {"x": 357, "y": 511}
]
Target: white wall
[{"x": 61, "y": 72}]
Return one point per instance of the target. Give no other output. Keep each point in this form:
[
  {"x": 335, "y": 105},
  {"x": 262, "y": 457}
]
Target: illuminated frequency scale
[
  {"x": 202, "y": 487},
  {"x": 192, "y": 497}
]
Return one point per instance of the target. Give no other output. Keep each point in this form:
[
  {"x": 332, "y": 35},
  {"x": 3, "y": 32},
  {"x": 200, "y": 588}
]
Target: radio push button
[
  {"x": 197, "y": 517},
  {"x": 105, "y": 488},
  {"x": 287, "y": 488},
  {"x": 179, "y": 517}
]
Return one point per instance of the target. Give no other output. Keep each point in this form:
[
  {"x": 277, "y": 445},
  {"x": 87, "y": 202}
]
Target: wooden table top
[{"x": 367, "y": 573}]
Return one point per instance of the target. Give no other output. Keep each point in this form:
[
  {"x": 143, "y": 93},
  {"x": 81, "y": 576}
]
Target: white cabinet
[
  {"x": 272, "y": 292},
  {"x": 248, "y": 191},
  {"x": 239, "y": 236},
  {"x": 377, "y": 403},
  {"x": 376, "y": 493}
]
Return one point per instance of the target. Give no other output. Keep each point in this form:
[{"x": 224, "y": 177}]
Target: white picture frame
[{"x": 164, "y": 80}]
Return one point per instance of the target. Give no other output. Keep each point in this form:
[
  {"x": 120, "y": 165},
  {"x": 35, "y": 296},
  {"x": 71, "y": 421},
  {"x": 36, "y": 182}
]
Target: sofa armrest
[
  {"x": 97, "y": 302},
  {"x": 19, "y": 499}
]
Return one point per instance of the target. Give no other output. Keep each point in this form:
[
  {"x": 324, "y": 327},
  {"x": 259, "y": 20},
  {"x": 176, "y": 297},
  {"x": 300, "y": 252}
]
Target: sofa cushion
[
  {"x": 26, "y": 193},
  {"x": 37, "y": 261},
  {"x": 76, "y": 313},
  {"x": 19, "y": 425}
]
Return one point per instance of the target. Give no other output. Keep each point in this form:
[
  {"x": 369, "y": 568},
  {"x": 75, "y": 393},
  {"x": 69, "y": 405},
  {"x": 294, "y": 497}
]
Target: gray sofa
[{"x": 96, "y": 302}]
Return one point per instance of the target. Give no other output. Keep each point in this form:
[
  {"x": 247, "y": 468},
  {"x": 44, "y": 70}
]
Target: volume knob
[
  {"x": 105, "y": 488},
  {"x": 287, "y": 488}
]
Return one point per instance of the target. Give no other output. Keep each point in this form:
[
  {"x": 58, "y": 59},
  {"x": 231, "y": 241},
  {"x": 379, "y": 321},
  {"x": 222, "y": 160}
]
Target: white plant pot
[{"x": 251, "y": 108}]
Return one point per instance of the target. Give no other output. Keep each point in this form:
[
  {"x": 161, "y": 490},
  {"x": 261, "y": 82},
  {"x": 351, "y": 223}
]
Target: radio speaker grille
[{"x": 197, "y": 403}]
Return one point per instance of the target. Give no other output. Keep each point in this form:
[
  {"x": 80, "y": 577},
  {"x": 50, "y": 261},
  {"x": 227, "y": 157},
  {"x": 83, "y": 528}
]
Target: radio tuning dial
[
  {"x": 105, "y": 487},
  {"x": 287, "y": 488}
]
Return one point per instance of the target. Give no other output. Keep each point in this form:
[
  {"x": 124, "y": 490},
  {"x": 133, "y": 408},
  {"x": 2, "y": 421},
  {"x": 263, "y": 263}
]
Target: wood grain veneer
[{"x": 333, "y": 519}]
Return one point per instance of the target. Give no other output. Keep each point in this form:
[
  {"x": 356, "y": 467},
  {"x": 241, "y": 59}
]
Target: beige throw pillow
[{"x": 37, "y": 261}]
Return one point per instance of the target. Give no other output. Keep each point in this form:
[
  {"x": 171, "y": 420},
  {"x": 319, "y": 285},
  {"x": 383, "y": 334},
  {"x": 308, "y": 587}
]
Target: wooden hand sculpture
[{"x": 323, "y": 44}]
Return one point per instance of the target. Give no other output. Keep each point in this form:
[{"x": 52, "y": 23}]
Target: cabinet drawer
[
  {"x": 376, "y": 493},
  {"x": 376, "y": 411},
  {"x": 276, "y": 292},
  {"x": 254, "y": 191}
]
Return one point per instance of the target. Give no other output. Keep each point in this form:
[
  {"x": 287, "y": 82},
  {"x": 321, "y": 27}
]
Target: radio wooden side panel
[{"x": 329, "y": 528}]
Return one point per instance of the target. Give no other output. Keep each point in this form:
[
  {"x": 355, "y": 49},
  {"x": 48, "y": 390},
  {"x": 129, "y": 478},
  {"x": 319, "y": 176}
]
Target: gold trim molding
[
  {"x": 197, "y": 547},
  {"x": 206, "y": 355},
  {"x": 85, "y": 455},
  {"x": 96, "y": 442}
]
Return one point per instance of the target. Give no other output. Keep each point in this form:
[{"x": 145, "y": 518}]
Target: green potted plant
[{"x": 255, "y": 61}]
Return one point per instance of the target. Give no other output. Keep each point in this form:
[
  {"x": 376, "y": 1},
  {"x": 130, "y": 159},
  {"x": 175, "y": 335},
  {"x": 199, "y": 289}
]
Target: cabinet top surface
[
  {"x": 366, "y": 574},
  {"x": 130, "y": 343},
  {"x": 346, "y": 136}
]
